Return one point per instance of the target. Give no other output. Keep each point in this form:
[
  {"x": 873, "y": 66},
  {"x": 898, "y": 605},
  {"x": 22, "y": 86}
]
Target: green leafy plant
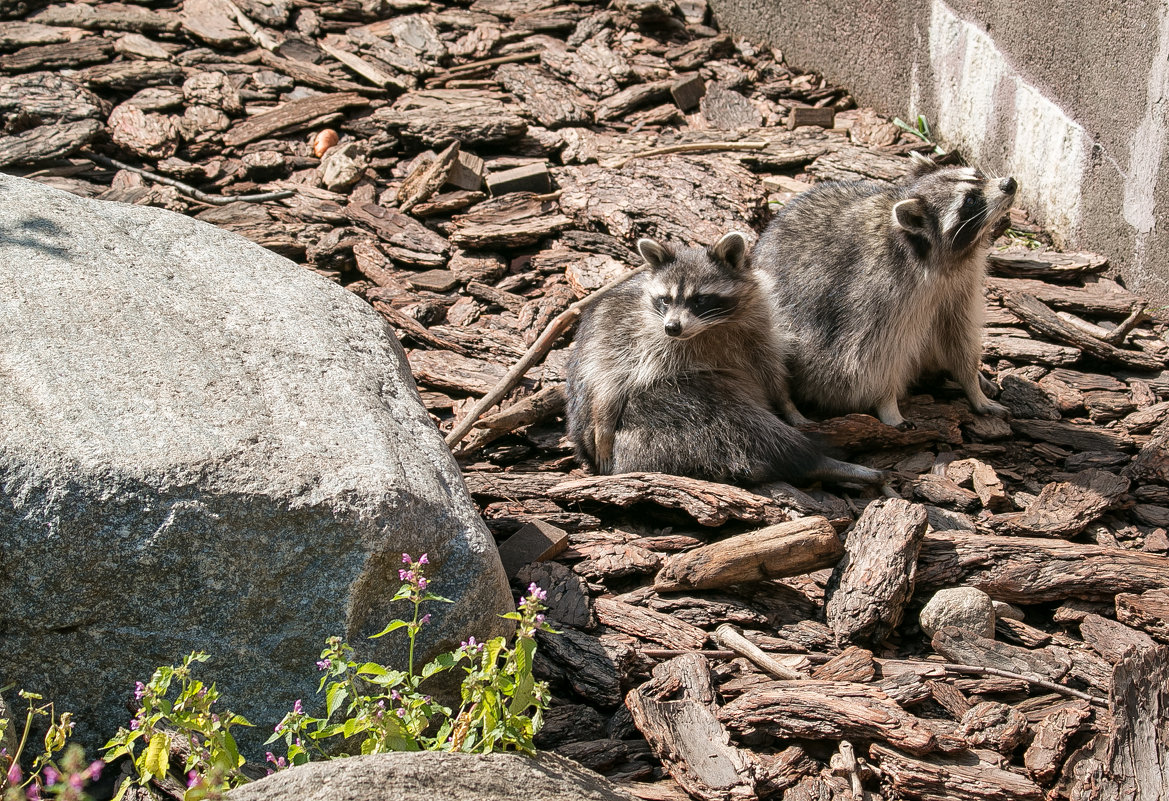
[
  {"x": 213, "y": 764},
  {"x": 920, "y": 129},
  {"x": 48, "y": 776},
  {"x": 386, "y": 710}
]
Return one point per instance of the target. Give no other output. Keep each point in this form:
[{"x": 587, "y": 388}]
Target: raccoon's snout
[
  {"x": 673, "y": 328},
  {"x": 1008, "y": 186}
]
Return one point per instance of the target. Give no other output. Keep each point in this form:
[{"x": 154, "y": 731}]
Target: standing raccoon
[
  {"x": 677, "y": 371},
  {"x": 878, "y": 284}
]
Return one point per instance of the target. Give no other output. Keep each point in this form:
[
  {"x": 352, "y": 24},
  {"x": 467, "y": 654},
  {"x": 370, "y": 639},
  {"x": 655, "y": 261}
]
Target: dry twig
[{"x": 187, "y": 189}]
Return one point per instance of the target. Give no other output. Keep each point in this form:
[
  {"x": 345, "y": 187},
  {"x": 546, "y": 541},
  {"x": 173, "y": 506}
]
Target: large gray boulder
[
  {"x": 435, "y": 776},
  {"x": 204, "y": 446}
]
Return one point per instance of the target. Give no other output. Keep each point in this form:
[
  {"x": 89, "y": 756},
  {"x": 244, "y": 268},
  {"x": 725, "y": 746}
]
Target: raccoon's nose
[
  {"x": 1008, "y": 185},
  {"x": 673, "y": 328}
]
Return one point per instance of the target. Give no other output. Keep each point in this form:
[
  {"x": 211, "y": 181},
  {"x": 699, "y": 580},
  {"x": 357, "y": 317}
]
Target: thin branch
[
  {"x": 978, "y": 670},
  {"x": 691, "y": 147},
  {"x": 539, "y": 349},
  {"x": 726, "y": 636},
  {"x": 187, "y": 189}
]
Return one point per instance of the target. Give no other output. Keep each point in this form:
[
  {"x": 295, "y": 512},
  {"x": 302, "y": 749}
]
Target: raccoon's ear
[
  {"x": 920, "y": 165},
  {"x": 654, "y": 253},
  {"x": 909, "y": 215},
  {"x": 731, "y": 250}
]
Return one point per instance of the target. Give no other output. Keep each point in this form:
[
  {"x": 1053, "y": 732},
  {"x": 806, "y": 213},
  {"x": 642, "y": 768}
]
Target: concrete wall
[{"x": 1070, "y": 97}]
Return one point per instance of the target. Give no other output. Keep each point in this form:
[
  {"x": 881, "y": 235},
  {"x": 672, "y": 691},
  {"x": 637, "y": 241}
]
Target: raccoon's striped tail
[{"x": 836, "y": 471}]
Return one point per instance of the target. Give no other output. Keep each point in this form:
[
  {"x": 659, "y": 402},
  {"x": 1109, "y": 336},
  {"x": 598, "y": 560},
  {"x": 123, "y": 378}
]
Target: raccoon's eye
[
  {"x": 662, "y": 302},
  {"x": 970, "y": 202},
  {"x": 705, "y": 304}
]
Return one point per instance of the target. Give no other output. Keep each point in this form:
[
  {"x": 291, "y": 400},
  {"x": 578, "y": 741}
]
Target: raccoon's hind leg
[
  {"x": 836, "y": 471},
  {"x": 889, "y": 413},
  {"x": 603, "y": 432}
]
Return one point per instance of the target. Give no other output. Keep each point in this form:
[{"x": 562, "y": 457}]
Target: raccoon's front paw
[
  {"x": 906, "y": 425},
  {"x": 992, "y": 407},
  {"x": 605, "y": 466}
]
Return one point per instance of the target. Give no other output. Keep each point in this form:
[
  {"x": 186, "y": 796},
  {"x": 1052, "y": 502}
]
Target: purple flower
[
  {"x": 397, "y": 696},
  {"x": 33, "y": 793},
  {"x": 422, "y": 560},
  {"x": 536, "y": 593},
  {"x": 422, "y": 583},
  {"x": 139, "y": 691},
  {"x": 270, "y": 757},
  {"x": 192, "y": 778},
  {"x": 51, "y": 775},
  {"x": 424, "y": 620},
  {"x": 406, "y": 560},
  {"x": 214, "y": 718},
  {"x": 540, "y": 618},
  {"x": 324, "y": 664},
  {"x": 95, "y": 769},
  {"x": 401, "y": 712},
  {"x": 469, "y": 643},
  {"x": 297, "y": 708},
  {"x": 76, "y": 780},
  {"x": 134, "y": 724}
]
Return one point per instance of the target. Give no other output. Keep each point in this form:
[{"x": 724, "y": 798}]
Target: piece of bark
[
  {"x": 312, "y": 75},
  {"x": 427, "y": 178},
  {"x": 1129, "y": 761},
  {"x": 1027, "y": 399},
  {"x": 403, "y": 238},
  {"x": 214, "y": 23},
  {"x": 1047, "y": 265},
  {"x": 548, "y": 100},
  {"x": 367, "y": 69},
  {"x": 949, "y": 698},
  {"x": 1052, "y": 734},
  {"x": 1148, "y": 611},
  {"x": 686, "y": 735},
  {"x": 441, "y": 116},
  {"x": 595, "y": 668},
  {"x": 507, "y": 486},
  {"x": 850, "y": 162},
  {"x": 618, "y": 562},
  {"x": 568, "y": 599},
  {"x": 150, "y": 136},
  {"x": 512, "y": 221},
  {"x": 687, "y": 90},
  {"x": 994, "y": 725},
  {"x": 942, "y": 491},
  {"x": 49, "y": 97},
  {"x": 726, "y": 636},
  {"x": 826, "y": 710},
  {"x": 852, "y": 664},
  {"x": 1065, "y": 508},
  {"x": 962, "y": 777},
  {"x": 873, "y": 582},
  {"x": 1111, "y": 639},
  {"x": 537, "y": 408},
  {"x": 1030, "y": 570},
  {"x": 650, "y": 625},
  {"x": 697, "y": 53},
  {"x": 1021, "y": 349},
  {"x": 637, "y": 96},
  {"x": 1152, "y": 462},
  {"x": 452, "y": 372},
  {"x": 1098, "y": 297},
  {"x": 91, "y": 50},
  {"x": 727, "y": 110},
  {"x": 108, "y": 16},
  {"x": 709, "y": 503},
  {"x": 864, "y": 432},
  {"x": 966, "y": 648},
  {"x": 128, "y": 76},
  {"x": 1044, "y": 321},
  {"x": 47, "y": 142},
  {"x": 289, "y": 114},
  {"x": 1076, "y": 437},
  {"x": 785, "y": 549}
]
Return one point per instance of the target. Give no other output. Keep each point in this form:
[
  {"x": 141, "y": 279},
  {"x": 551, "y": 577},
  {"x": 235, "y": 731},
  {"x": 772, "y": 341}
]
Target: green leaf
[
  {"x": 336, "y": 696},
  {"x": 122, "y": 788},
  {"x": 394, "y": 626},
  {"x": 232, "y": 750},
  {"x": 350, "y": 727},
  {"x": 372, "y": 669},
  {"x": 524, "y": 681},
  {"x": 158, "y": 755}
]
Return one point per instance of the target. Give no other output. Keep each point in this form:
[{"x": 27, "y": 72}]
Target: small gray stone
[
  {"x": 342, "y": 167},
  {"x": 441, "y": 776},
  {"x": 965, "y": 607},
  {"x": 1006, "y": 611}
]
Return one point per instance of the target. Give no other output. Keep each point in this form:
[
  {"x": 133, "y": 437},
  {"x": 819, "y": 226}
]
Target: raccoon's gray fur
[
  {"x": 677, "y": 371},
  {"x": 878, "y": 284}
]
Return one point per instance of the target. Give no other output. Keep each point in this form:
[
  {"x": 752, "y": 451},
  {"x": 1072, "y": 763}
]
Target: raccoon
[
  {"x": 678, "y": 369},
  {"x": 878, "y": 284}
]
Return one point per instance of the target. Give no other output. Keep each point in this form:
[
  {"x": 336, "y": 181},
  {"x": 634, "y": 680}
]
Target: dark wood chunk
[
  {"x": 108, "y": 16},
  {"x": 91, "y": 50},
  {"x": 452, "y": 372},
  {"x": 949, "y": 698},
  {"x": 1027, "y": 399},
  {"x": 568, "y": 595},
  {"x": 550, "y": 101},
  {"x": 1046, "y": 265},
  {"x": 967, "y": 648},
  {"x": 403, "y": 238},
  {"x": 594, "y": 667},
  {"x": 646, "y": 624},
  {"x": 687, "y": 90},
  {"x": 852, "y": 664},
  {"x": 942, "y": 491},
  {"x": 569, "y": 723},
  {"x": 962, "y": 777},
  {"x": 434, "y": 280},
  {"x": 617, "y": 562},
  {"x": 784, "y": 549},
  {"x": 697, "y": 53},
  {"x": 994, "y": 725},
  {"x": 529, "y": 178},
  {"x": 932, "y": 423},
  {"x": 289, "y": 114},
  {"x": 709, "y": 503},
  {"x": 821, "y": 117},
  {"x": 1098, "y": 297},
  {"x": 637, "y": 96},
  {"x": 875, "y": 579},
  {"x": 1148, "y": 611},
  {"x": 47, "y": 142},
  {"x": 1030, "y": 570},
  {"x": 426, "y": 178},
  {"x": 441, "y": 116},
  {"x": 537, "y": 541},
  {"x": 1052, "y": 734},
  {"x": 128, "y": 76},
  {"x": 1065, "y": 508},
  {"x": 851, "y": 162},
  {"x": 826, "y": 710},
  {"x": 1152, "y": 462}
]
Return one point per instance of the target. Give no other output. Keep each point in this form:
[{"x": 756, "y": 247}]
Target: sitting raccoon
[
  {"x": 880, "y": 283},
  {"x": 678, "y": 370}
]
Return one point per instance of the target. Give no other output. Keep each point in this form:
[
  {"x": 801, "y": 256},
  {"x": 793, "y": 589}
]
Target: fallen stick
[
  {"x": 1030, "y": 679},
  {"x": 187, "y": 189},
  {"x": 532, "y": 409},
  {"x": 562, "y": 323},
  {"x": 691, "y": 147},
  {"x": 726, "y": 635}
]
